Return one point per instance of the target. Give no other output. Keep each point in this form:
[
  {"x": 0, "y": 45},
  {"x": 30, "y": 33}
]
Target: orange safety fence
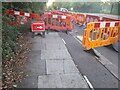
[
  {"x": 58, "y": 22},
  {"x": 99, "y": 34},
  {"x": 81, "y": 18}
]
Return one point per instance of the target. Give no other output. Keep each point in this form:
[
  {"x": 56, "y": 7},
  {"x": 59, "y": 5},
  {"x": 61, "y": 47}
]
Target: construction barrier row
[
  {"x": 84, "y": 18},
  {"x": 99, "y": 34},
  {"x": 54, "y": 20},
  {"x": 100, "y": 30},
  {"x": 80, "y": 18}
]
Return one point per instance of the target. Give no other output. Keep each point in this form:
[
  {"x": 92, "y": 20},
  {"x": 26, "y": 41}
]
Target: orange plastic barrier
[
  {"x": 92, "y": 18},
  {"x": 58, "y": 22},
  {"x": 99, "y": 34},
  {"x": 75, "y": 17},
  {"x": 81, "y": 18}
]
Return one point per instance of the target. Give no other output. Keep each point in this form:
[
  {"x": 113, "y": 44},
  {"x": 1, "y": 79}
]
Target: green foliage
[
  {"x": 10, "y": 34},
  {"x": 88, "y": 7},
  {"x": 9, "y": 38}
]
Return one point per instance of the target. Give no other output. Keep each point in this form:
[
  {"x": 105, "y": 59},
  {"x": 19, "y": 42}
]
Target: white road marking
[
  {"x": 63, "y": 41},
  {"x": 78, "y": 40},
  {"x": 88, "y": 82}
]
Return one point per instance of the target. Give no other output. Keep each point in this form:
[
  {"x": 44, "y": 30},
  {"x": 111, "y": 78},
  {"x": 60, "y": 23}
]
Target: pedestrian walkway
[{"x": 52, "y": 65}]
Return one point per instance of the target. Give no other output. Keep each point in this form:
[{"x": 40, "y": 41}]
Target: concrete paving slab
[
  {"x": 49, "y": 81},
  {"x": 61, "y": 81},
  {"x": 57, "y": 46},
  {"x": 52, "y": 41},
  {"x": 48, "y": 46},
  {"x": 69, "y": 67},
  {"x": 54, "y": 66},
  {"x": 52, "y": 34},
  {"x": 61, "y": 67},
  {"x": 52, "y": 37},
  {"x": 35, "y": 55},
  {"x": 38, "y": 47},
  {"x": 36, "y": 68},
  {"x": 73, "y": 81},
  {"x": 55, "y": 55},
  {"x": 37, "y": 39},
  {"x": 29, "y": 82}
]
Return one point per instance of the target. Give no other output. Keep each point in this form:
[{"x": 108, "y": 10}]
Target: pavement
[{"x": 51, "y": 66}]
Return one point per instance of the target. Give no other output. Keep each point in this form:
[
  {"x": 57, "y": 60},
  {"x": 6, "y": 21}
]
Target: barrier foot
[
  {"x": 116, "y": 46},
  {"x": 47, "y": 31},
  {"x": 92, "y": 52},
  {"x": 66, "y": 31},
  {"x": 33, "y": 34},
  {"x": 43, "y": 34}
]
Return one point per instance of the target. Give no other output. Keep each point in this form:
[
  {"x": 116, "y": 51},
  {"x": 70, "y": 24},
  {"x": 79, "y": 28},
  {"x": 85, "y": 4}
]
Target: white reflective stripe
[
  {"x": 100, "y": 18},
  {"x": 55, "y": 16},
  {"x": 27, "y": 14},
  {"x": 16, "y": 12},
  {"x": 112, "y": 24},
  {"x": 63, "y": 17},
  {"x": 21, "y": 22},
  {"x": 102, "y": 24}
]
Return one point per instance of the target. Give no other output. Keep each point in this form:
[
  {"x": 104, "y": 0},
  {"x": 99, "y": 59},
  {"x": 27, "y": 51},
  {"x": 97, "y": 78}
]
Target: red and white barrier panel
[
  {"x": 25, "y": 14},
  {"x": 106, "y": 24},
  {"x": 18, "y": 13}
]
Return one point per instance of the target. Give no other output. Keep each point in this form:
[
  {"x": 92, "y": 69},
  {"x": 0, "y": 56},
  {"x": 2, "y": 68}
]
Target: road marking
[
  {"x": 78, "y": 40},
  {"x": 63, "y": 41},
  {"x": 88, "y": 82}
]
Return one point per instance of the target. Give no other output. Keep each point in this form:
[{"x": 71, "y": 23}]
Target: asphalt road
[{"x": 98, "y": 74}]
